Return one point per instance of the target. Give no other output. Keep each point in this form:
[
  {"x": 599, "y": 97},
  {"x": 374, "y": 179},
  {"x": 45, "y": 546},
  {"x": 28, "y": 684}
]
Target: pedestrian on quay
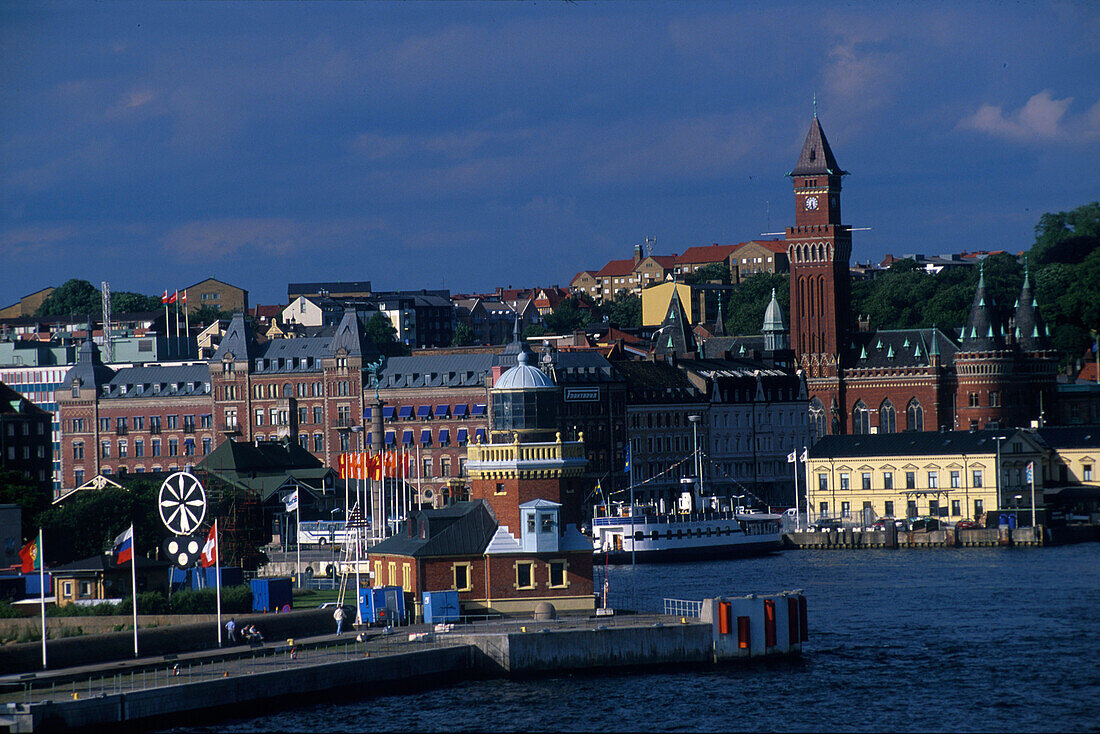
[
  {"x": 231, "y": 630},
  {"x": 338, "y": 615}
]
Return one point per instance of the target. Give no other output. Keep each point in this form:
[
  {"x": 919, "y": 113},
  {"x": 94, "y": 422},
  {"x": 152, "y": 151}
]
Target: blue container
[
  {"x": 34, "y": 589},
  {"x": 271, "y": 595},
  {"x": 382, "y": 605},
  {"x": 207, "y": 578},
  {"x": 440, "y": 606}
]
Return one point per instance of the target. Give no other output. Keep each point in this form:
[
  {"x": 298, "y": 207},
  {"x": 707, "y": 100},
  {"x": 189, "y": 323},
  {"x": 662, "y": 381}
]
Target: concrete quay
[{"x": 152, "y": 692}]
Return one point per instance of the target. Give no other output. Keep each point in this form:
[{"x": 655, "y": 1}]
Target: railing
[
  {"x": 188, "y": 427},
  {"x": 155, "y": 429},
  {"x": 529, "y": 452},
  {"x": 682, "y": 607},
  {"x": 229, "y": 428},
  {"x": 121, "y": 430}
]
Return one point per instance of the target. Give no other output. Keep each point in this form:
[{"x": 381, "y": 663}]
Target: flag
[
  {"x": 1030, "y": 472},
  {"x": 790, "y": 458},
  {"x": 29, "y": 555},
  {"x": 626, "y": 461},
  {"x": 124, "y": 546},
  {"x": 292, "y": 501},
  {"x": 183, "y": 298},
  {"x": 805, "y": 455},
  {"x": 210, "y": 549},
  {"x": 172, "y": 298},
  {"x": 343, "y": 466},
  {"x": 374, "y": 467},
  {"x": 164, "y": 298}
]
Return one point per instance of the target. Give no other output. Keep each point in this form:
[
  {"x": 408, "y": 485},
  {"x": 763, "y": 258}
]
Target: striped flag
[
  {"x": 124, "y": 546},
  {"x": 1030, "y": 472}
]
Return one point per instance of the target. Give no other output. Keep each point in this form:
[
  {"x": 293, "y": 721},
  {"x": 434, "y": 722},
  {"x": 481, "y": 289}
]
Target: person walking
[
  {"x": 231, "y": 630},
  {"x": 338, "y": 615}
]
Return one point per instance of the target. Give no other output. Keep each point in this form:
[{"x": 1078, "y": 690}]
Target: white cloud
[{"x": 1043, "y": 118}]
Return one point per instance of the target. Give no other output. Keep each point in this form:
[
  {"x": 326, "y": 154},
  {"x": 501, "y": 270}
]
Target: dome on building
[{"x": 523, "y": 377}]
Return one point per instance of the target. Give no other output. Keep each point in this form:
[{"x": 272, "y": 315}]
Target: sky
[{"x": 473, "y": 145}]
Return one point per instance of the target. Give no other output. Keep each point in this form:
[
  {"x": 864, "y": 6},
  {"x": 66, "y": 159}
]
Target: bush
[{"x": 7, "y": 611}]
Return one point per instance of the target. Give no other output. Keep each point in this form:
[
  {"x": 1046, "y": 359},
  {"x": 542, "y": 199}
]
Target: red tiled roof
[
  {"x": 616, "y": 267},
  {"x": 773, "y": 245},
  {"x": 706, "y": 254}
]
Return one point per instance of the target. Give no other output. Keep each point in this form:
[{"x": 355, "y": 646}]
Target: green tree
[
  {"x": 709, "y": 273},
  {"x": 17, "y": 489},
  {"x": 744, "y": 311},
  {"x": 1066, "y": 237},
  {"x": 625, "y": 311},
  {"x": 88, "y": 522},
  {"x": 463, "y": 336},
  {"x": 75, "y": 296},
  {"x": 574, "y": 312},
  {"x": 379, "y": 329},
  {"x": 129, "y": 302}
]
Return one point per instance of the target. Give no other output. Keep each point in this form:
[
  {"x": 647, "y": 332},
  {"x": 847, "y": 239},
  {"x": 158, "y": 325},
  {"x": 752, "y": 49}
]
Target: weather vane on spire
[{"x": 815, "y": 105}]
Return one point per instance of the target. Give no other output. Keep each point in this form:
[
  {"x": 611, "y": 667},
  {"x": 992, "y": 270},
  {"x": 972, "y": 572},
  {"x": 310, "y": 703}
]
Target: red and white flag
[
  {"x": 210, "y": 549},
  {"x": 183, "y": 298},
  {"x": 164, "y": 298},
  {"x": 172, "y": 298}
]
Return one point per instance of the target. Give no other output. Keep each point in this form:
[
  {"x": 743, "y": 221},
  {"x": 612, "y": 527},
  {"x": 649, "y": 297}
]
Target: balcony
[
  {"x": 188, "y": 427},
  {"x": 155, "y": 429},
  {"x": 530, "y": 459},
  {"x": 230, "y": 429},
  {"x": 121, "y": 430},
  {"x": 344, "y": 421}
]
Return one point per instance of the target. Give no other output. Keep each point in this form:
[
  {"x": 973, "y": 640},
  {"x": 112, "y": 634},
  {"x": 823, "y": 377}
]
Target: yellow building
[
  {"x": 950, "y": 475},
  {"x": 1076, "y": 451}
]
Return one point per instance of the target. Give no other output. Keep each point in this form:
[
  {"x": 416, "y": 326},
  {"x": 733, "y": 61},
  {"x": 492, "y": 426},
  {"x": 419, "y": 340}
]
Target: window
[
  {"x": 393, "y": 573},
  {"x": 445, "y": 466},
  {"x": 557, "y": 575},
  {"x": 525, "y": 576},
  {"x": 1086, "y": 472},
  {"x": 546, "y": 522},
  {"x": 956, "y": 508},
  {"x": 139, "y": 423},
  {"x": 911, "y": 508},
  {"x": 344, "y": 442},
  {"x": 406, "y": 577},
  {"x": 861, "y": 418},
  {"x": 303, "y": 415},
  {"x": 889, "y": 509},
  {"x": 823, "y": 509},
  {"x": 427, "y": 471},
  {"x": 845, "y": 509},
  {"x": 156, "y": 447},
  {"x": 888, "y": 481},
  {"x": 910, "y": 480},
  {"x": 318, "y": 442},
  {"x": 955, "y": 480},
  {"x": 845, "y": 481},
  {"x": 977, "y": 478},
  {"x": 817, "y": 419},
  {"x": 139, "y": 447},
  {"x": 978, "y": 509},
  {"x": 259, "y": 416},
  {"x": 823, "y": 482},
  {"x": 105, "y": 449},
  {"x": 78, "y": 450},
  {"x": 461, "y": 576},
  {"x": 866, "y": 480},
  {"x": 933, "y": 480},
  {"x": 204, "y": 421},
  {"x": 104, "y": 425},
  {"x": 78, "y": 476},
  {"x": 122, "y": 450},
  {"x": 973, "y": 400},
  {"x": 206, "y": 446},
  {"x": 173, "y": 447},
  {"x": 318, "y": 414},
  {"x": 78, "y": 425},
  {"x": 914, "y": 416},
  {"x": 887, "y": 420},
  {"x": 994, "y": 399},
  {"x": 173, "y": 421}
]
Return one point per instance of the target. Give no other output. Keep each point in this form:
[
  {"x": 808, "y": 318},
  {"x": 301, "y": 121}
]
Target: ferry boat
[{"x": 695, "y": 530}]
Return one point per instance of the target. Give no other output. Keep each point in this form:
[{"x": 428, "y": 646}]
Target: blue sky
[{"x": 470, "y": 145}]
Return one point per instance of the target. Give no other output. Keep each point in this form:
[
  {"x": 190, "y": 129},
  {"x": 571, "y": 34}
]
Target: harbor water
[{"x": 931, "y": 640}]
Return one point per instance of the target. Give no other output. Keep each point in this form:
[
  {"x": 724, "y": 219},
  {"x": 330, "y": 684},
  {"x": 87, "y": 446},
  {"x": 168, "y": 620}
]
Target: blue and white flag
[
  {"x": 1030, "y": 472},
  {"x": 790, "y": 458},
  {"x": 292, "y": 501}
]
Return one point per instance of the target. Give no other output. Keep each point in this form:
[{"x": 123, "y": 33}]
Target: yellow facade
[
  {"x": 655, "y": 302},
  {"x": 949, "y": 486},
  {"x": 1077, "y": 465}
]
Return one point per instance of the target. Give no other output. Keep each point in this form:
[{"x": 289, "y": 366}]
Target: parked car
[
  {"x": 826, "y": 523},
  {"x": 884, "y": 522},
  {"x": 925, "y": 524},
  {"x": 966, "y": 525}
]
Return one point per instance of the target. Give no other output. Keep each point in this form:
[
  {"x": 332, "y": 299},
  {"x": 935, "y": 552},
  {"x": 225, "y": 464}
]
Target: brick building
[
  {"x": 26, "y": 443},
  {"x": 863, "y": 381}
]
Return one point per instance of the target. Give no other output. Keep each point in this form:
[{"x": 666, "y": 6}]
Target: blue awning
[
  {"x": 441, "y": 411},
  {"x": 370, "y": 437},
  {"x": 479, "y": 409},
  {"x": 460, "y": 410},
  {"x": 423, "y": 411},
  {"x": 426, "y": 436},
  {"x": 366, "y": 414},
  {"x": 462, "y": 435},
  {"x": 405, "y": 412},
  {"x": 480, "y": 435},
  {"x": 188, "y": 442},
  {"x": 387, "y": 412},
  {"x": 407, "y": 437},
  {"x": 444, "y": 436},
  {"x": 389, "y": 438}
]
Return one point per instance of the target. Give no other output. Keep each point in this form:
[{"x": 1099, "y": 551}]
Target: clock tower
[{"x": 819, "y": 248}]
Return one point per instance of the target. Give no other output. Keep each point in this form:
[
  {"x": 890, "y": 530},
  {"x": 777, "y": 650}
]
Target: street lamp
[
  {"x": 694, "y": 420},
  {"x": 997, "y": 470}
]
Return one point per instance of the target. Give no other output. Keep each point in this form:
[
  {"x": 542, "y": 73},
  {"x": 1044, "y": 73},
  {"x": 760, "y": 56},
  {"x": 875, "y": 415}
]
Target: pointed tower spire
[
  {"x": 676, "y": 335},
  {"x": 1030, "y": 330},
  {"x": 775, "y": 331},
  {"x": 816, "y": 158},
  {"x": 978, "y": 334},
  {"x": 720, "y": 322}
]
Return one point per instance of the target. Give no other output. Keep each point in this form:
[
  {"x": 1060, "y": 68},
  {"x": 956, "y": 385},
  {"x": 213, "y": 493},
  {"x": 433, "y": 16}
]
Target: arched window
[
  {"x": 817, "y": 419},
  {"x": 914, "y": 416},
  {"x": 811, "y": 296},
  {"x": 887, "y": 421},
  {"x": 861, "y": 418},
  {"x": 288, "y": 390}
]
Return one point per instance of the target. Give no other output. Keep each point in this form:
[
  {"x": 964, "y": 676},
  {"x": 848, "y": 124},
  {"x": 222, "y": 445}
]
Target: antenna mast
[{"x": 107, "y": 351}]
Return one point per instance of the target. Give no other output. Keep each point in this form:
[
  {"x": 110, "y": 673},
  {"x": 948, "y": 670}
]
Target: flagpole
[
  {"x": 187, "y": 331},
  {"x": 797, "y": 521},
  {"x": 218, "y": 578},
  {"x": 298, "y": 539},
  {"x": 167, "y": 326},
  {"x": 42, "y": 594},
  {"x": 1032, "y": 473},
  {"x": 805, "y": 465},
  {"x": 133, "y": 584}
]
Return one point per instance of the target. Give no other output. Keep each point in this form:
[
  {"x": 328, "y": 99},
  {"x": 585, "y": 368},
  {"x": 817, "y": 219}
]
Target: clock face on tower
[{"x": 811, "y": 203}]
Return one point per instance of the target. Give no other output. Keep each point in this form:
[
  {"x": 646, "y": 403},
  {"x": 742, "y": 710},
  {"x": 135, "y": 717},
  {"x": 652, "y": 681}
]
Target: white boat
[{"x": 694, "y": 530}]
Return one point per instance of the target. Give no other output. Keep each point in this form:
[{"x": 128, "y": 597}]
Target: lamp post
[
  {"x": 997, "y": 471},
  {"x": 694, "y": 420}
]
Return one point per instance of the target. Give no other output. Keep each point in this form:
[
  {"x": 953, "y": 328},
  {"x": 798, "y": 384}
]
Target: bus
[{"x": 322, "y": 532}]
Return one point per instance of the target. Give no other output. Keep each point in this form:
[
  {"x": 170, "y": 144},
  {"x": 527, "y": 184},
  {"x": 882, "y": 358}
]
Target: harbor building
[
  {"x": 952, "y": 475},
  {"x": 512, "y": 545}
]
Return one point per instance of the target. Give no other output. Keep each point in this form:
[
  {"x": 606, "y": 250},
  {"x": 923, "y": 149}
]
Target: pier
[
  {"x": 233, "y": 681},
  {"x": 891, "y": 537}
]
